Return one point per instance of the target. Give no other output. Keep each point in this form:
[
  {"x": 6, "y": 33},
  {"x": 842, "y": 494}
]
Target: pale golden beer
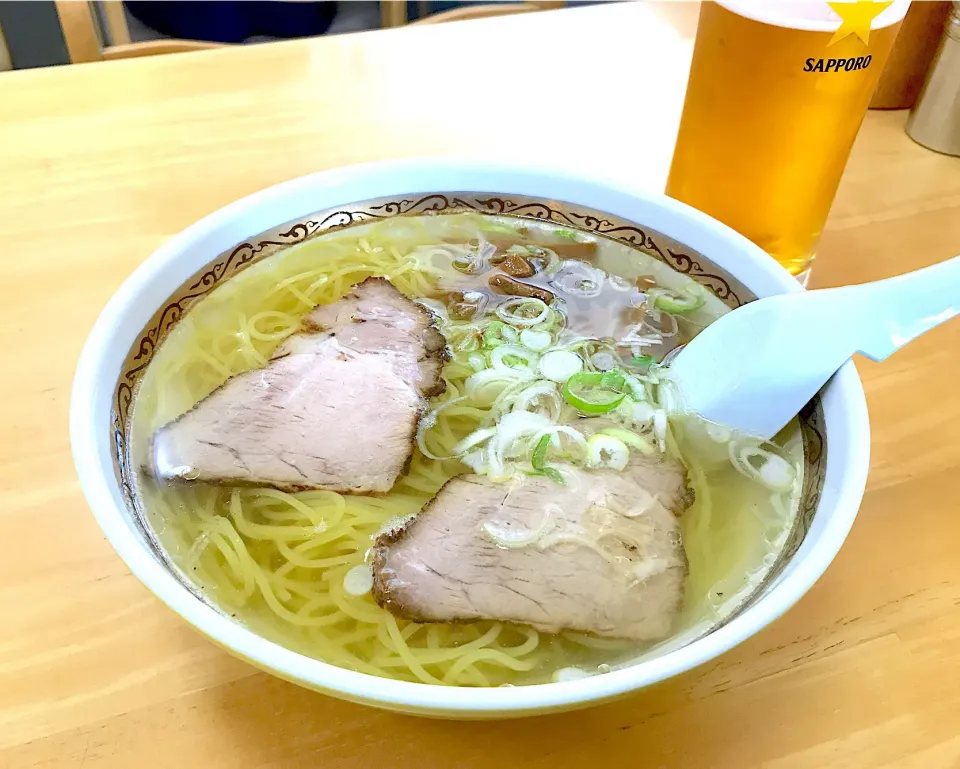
[{"x": 771, "y": 112}]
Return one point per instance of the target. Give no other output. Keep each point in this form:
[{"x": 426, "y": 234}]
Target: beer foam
[{"x": 808, "y": 16}]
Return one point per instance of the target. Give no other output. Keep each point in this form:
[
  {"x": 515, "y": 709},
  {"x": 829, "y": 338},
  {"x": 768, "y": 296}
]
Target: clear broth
[{"x": 276, "y": 562}]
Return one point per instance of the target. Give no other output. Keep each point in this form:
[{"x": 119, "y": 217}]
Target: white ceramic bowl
[{"x": 159, "y": 277}]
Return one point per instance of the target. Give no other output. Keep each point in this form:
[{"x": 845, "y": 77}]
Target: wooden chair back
[{"x": 85, "y": 39}]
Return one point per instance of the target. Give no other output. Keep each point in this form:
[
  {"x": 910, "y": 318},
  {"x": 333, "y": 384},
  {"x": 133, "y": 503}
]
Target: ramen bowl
[{"x": 204, "y": 256}]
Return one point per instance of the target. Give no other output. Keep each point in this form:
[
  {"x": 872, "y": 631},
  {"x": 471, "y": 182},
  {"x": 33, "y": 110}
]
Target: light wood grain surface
[{"x": 101, "y": 163}]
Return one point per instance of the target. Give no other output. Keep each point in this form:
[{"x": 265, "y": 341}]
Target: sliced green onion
[
  {"x": 607, "y": 451},
  {"x": 604, "y": 361},
  {"x": 539, "y": 458},
  {"x": 630, "y": 438},
  {"x": 359, "y": 580},
  {"x": 491, "y": 334},
  {"x": 540, "y": 395},
  {"x": 518, "y": 311},
  {"x": 559, "y": 365},
  {"x": 594, "y": 392},
  {"x": 467, "y": 344},
  {"x": 538, "y": 341},
  {"x": 568, "y": 234},
  {"x": 660, "y": 428},
  {"x": 686, "y": 300},
  {"x": 777, "y": 474},
  {"x": 553, "y": 261},
  {"x": 520, "y": 424},
  {"x": 569, "y": 674},
  {"x": 552, "y": 320},
  {"x": 641, "y": 361},
  {"x": 634, "y": 388},
  {"x": 474, "y": 439},
  {"x": 553, "y": 474},
  {"x": 476, "y": 461},
  {"x": 497, "y": 333},
  {"x": 476, "y": 361},
  {"x": 514, "y": 433},
  {"x": 638, "y": 411},
  {"x": 501, "y": 357},
  {"x": 766, "y": 467},
  {"x": 575, "y": 437},
  {"x": 614, "y": 379}
]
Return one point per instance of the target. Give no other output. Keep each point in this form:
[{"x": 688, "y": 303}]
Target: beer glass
[{"x": 776, "y": 95}]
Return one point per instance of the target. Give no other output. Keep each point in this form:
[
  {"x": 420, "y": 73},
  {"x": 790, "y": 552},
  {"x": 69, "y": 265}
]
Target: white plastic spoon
[{"x": 755, "y": 368}]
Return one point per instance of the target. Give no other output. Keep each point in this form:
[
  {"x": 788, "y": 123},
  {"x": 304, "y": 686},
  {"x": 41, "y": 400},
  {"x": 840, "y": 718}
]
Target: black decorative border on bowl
[{"x": 229, "y": 263}]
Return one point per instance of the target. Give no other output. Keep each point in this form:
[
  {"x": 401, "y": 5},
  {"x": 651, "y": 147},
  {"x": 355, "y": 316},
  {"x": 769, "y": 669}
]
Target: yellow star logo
[{"x": 856, "y": 19}]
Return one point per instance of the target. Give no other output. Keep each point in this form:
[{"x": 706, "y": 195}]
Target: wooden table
[{"x": 101, "y": 163}]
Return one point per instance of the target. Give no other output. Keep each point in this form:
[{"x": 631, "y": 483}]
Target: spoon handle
[
  {"x": 755, "y": 367},
  {"x": 898, "y": 310}
]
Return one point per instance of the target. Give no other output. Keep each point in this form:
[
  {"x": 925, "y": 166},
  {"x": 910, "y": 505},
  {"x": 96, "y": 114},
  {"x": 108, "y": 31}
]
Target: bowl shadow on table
[{"x": 684, "y": 719}]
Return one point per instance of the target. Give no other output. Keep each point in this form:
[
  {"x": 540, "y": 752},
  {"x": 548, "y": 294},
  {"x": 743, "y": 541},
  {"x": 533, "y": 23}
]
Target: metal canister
[{"x": 935, "y": 121}]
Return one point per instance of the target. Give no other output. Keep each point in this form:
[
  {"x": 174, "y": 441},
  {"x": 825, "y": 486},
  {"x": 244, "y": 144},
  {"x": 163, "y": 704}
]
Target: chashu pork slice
[
  {"x": 337, "y": 406},
  {"x": 600, "y": 554}
]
